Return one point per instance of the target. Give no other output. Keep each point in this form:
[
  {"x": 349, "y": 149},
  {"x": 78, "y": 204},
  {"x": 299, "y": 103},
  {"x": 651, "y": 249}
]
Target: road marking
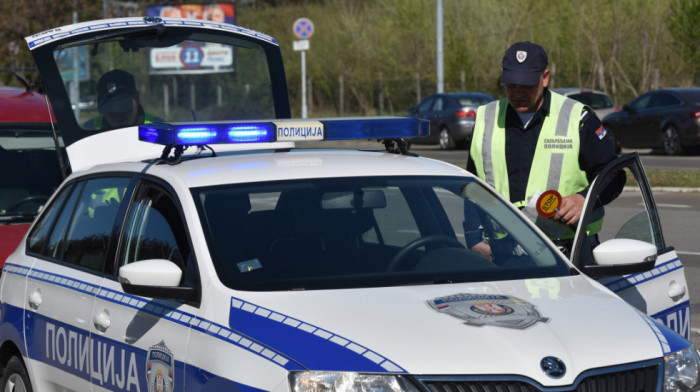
[
  {"x": 695, "y": 330},
  {"x": 688, "y": 253},
  {"x": 672, "y": 205}
]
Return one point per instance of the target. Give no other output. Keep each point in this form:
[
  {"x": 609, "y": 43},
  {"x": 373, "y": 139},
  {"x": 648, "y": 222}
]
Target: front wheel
[
  {"x": 15, "y": 378},
  {"x": 672, "y": 141},
  {"x": 446, "y": 140}
]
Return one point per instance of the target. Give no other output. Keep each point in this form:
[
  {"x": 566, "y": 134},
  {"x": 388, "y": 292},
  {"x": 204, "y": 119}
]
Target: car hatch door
[{"x": 629, "y": 222}]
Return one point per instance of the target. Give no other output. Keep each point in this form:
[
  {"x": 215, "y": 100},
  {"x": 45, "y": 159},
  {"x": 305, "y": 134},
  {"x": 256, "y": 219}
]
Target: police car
[{"x": 206, "y": 253}]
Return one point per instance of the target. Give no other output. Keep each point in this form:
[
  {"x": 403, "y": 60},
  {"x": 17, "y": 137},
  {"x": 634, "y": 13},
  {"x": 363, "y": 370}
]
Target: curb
[{"x": 669, "y": 189}]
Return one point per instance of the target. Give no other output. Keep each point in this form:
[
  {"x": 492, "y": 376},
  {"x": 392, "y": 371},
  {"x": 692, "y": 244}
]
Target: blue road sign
[{"x": 303, "y": 28}]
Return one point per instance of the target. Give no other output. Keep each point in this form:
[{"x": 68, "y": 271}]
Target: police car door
[
  {"x": 70, "y": 244},
  {"x": 143, "y": 341},
  {"x": 660, "y": 291}
]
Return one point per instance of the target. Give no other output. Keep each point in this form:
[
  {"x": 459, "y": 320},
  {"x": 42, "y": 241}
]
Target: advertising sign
[
  {"x": 216, "y": 12},
  {"x": 193, "y": 57}
]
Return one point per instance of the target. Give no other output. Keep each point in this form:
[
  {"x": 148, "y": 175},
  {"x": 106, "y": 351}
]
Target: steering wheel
[
  {"x": 39, "y": 199},
  {"x": 400, "y": 257}
]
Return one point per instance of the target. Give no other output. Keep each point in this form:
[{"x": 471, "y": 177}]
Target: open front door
[{"x": 629, "y": 237}]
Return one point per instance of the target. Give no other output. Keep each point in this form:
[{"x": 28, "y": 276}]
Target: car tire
[
  {"x": 672, "y": 141},
  {"x": 15, "y": 377},
  {"x": 446, "y": 140}
]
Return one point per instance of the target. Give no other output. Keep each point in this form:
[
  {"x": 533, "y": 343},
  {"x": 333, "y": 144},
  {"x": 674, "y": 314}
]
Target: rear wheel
[
  {"x": 446, "y": 140},
  {"x": 672, "y": 141},
  {"x": 15, "y": 378}
]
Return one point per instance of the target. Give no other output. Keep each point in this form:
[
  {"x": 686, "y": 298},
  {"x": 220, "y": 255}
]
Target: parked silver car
[{"x": 596, "y": 99}]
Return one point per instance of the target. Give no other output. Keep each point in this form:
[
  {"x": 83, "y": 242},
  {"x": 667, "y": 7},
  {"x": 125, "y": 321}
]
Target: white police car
[{"x": 242, "y": 263}]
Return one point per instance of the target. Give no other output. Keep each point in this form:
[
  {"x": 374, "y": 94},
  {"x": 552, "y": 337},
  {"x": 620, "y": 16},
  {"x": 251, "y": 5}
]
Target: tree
[{"x": 684, "y": 24}]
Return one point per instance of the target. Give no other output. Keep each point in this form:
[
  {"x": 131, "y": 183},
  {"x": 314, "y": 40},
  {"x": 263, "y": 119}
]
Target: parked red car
[{"x": 29, "y": 163}]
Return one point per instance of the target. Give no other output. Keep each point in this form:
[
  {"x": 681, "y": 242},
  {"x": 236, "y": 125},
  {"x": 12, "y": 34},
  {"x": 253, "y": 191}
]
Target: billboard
[
  {"x": 193, "y": 57},
  {"x": 217, "y": 12}
]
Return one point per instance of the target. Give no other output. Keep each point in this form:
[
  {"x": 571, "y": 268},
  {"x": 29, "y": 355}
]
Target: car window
[
  {"x": 364, "y": 231},
  {"x": 39, "y": 235},
  {"x": 154, "y": 229},
  {"x": 662, "y": 99},
  {"x": 31, "y": 171},
  {"x": 426, "y": 105},
  {"x": 642, "y": 102},
  {"x": 82, "y": 231},
  {"x": 160, "y": 82},
  {"x": 91, "y": 225},
  {"x": 439, "y": 104}
]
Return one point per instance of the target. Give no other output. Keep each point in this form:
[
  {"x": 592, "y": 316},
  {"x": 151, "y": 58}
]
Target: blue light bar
[
  {"x": 363, "y": 128},
  {"x": 199, "y": 134},
  {"x": 360, "y": 128}
]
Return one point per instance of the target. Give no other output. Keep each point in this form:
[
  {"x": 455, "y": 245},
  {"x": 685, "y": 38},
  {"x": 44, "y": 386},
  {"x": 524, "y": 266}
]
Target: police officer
[
  {"x": 118, "y": 103},
  {"x": 536, "y": 140}
]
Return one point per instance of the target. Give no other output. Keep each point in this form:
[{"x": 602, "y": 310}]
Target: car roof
[
  {"x": 575, "y": 90},
  {"x": 274, "y": 165},
  {"x": 19, "y": 105},
  {"x": 692, "y": 93},
  {"x": 465, "y": 94}
]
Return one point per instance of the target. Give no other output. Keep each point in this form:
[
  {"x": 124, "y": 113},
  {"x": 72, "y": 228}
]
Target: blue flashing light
[
  {"x": 253, "y": 133},
  {"x": 196, "y": 135}
]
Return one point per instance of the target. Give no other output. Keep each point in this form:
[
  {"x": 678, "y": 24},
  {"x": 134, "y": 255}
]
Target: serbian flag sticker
[{"x": 601, "y": 132}]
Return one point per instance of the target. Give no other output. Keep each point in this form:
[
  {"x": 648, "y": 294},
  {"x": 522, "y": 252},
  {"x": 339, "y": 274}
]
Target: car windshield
[
  {"x": 30, "y": 170},
  {"x": 595, "y": 101},
  {"x": 164, "y": 76},
  {"x": 366, "y": 232}
]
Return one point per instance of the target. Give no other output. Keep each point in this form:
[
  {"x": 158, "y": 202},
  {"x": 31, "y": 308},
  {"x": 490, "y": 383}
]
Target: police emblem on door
[
  {"x": 159, "y": 368},
  {"x": 480, "y": 309}
]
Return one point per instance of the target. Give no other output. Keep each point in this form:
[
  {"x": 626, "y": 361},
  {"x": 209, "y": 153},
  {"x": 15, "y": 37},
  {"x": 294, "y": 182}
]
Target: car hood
[{"x": 455, "y": 329}]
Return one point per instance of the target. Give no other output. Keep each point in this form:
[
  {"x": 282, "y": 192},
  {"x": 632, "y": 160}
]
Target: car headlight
[
  {"x": 681, "y": 370},
  {"x": 314, "y": 381}
]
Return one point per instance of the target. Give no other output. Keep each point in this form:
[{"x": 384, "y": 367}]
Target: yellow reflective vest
[{"x": 555, "y": 162}]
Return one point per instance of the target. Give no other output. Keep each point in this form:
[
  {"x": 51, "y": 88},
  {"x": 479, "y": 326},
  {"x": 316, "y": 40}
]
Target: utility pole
[{"x": 440, "y": 63}]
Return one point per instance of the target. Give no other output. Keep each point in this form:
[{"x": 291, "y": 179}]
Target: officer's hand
[
  {"x": 570, "y": 210},
  {"x": 483, "y": 249}
]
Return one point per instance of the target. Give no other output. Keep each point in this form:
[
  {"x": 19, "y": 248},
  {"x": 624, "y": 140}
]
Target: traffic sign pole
[
  {"x": 303, "y": 84},
  {"x": 303, "y": 29}
]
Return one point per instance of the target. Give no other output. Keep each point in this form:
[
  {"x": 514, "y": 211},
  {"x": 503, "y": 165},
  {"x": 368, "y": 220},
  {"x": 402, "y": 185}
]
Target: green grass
[{"x": 672, "y": 178}]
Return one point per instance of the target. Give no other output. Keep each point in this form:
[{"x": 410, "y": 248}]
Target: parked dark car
[
  {"x": 596, "y": 99},
  {"x": 451, "y": 118},
  {"x": 668, "y": 118}
]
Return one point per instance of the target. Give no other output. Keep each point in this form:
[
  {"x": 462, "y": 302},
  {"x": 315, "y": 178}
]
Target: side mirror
[
  {"x": 627, "y": 108},
  {"x": 155, "y": 272},
  {"x": 624, "y": 251},
  {"x": 621, "y": 256},
  {"x": 155, "y": 278}
]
